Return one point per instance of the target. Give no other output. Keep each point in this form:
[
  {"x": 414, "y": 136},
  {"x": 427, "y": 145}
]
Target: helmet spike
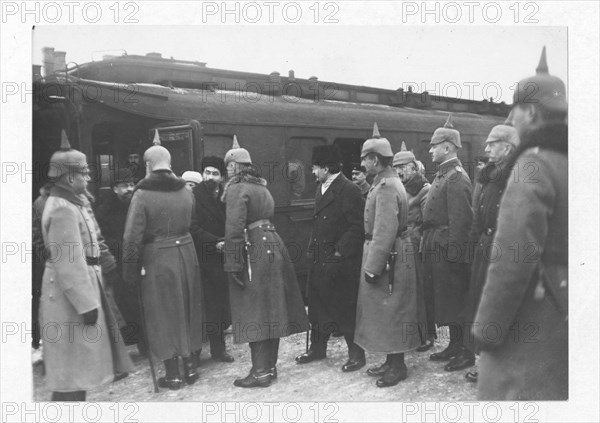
[
  {"x": 235, "y": 143},
  {"x": 376, "y": 133},
  {"x": 403, "y": 146},
  {"x": 448, "y": 123},
  {"x": 156, "y": 140},
  {"x": 543, "y": 65},
  {"x": 64, "y": 141}
]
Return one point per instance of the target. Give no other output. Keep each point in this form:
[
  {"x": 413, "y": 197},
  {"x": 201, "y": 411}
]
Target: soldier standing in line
[
  {"x": 446, "y": 222},
  {"x": 159, "y": 256},
  {"x": 417, "y": 188},
  {"x": 208, "y": 231},
  {"x": 359, "y": 177},
  {"x": 500, "y": 144},
  {"x": 525, "y": 296},
  {"x": 387, "y": 319},
  {"x": 72, "y": 293},
  {"x": 336, "y": 247},
  {"x": 266, "y": 303}
]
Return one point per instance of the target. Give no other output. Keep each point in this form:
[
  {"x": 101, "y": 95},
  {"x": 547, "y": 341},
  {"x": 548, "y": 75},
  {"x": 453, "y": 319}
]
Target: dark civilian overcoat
[
  {"x": 270, "y": 306},
  {"x": 208, "y": 228},
  {"x": 387, "y": 323},
  {"x": 159, "y": 253},
  {"x": 447, "y": 220},
  {"x": 333, "y": 281},
  {"x": 522, "y": 324}
]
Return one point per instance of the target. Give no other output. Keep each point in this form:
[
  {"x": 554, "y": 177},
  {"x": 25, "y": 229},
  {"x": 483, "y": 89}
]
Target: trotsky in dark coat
[{"x": 336, "y": 249}]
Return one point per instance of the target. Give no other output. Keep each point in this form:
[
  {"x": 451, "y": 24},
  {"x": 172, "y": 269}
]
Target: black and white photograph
[{"x": 299, "y": 211}]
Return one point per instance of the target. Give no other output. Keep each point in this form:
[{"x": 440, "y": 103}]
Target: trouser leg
[
  {"x": 217, "y": 343},
  {"x": 355, "y": 352},
  {"x": 318, "y": 340}
]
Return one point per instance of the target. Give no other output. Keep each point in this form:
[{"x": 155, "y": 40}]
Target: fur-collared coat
[
  {"x": 522, "y": 326},
  {"x": 157, "y": 240},
  {"x": 270, "y": 306},
  {"x": 78, "y": 357},
  {"x": 333, "y": 281},
  {"x": 387, "y": 323}
]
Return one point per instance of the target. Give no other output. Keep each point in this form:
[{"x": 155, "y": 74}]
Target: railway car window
[
  {"x": 217, "y": 145},
  {"x": 298, "y": 170},
  {"x": 178, "y": 140},
  {"x": 350, "y": 151}
]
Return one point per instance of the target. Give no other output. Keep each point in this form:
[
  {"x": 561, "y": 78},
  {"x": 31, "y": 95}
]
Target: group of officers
[{"x": 390, "y": 261}]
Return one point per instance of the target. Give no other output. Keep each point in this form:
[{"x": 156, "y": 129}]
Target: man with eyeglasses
[{"x": 208, "y": 231}]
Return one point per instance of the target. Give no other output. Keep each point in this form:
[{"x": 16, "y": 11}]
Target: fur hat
[
  {"x": 446, "y": 133},
  {"x": 237, "y": 154},
  {"x": 542, "y": 88},
  {"x": 213, "y": 161},
  {"x": 66, "y": 160},
  {"x": 326, "y": 155},
  {"x": 376, "y": 144}
]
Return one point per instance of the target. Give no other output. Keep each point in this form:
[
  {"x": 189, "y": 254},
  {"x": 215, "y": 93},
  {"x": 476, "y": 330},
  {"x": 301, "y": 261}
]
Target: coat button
[
  {"x": 315, "y": 216},
  {"x": 563, "y": 284},
  {"x": 176, "y": 242},
  {"x": 324, "y": 217},
  {"x": 264, "y": 238}
]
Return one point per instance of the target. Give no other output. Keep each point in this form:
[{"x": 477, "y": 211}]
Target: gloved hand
[
  {"x": 236, "y": 278},
  {"x": 90, "y": 317},
  {"x": 370, "y": 279}
]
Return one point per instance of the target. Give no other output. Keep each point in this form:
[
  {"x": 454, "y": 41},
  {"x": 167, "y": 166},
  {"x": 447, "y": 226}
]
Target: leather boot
[
  {"x": 462, "y": 360},
  {"x": 356, "y": 356},
  {"x": 190, "y": 374},
  {"x": 68, "y": 396},
  {"x": 396, "y": 372},
  {"x": 447, "y": 354},
  {"x": 274, "y": 352},
  {"x": 318, "y": 347},
  {"x": 259, "y": 375},
  {"x": 172, "y": 379},
  {"x": 379, "y": 371}
]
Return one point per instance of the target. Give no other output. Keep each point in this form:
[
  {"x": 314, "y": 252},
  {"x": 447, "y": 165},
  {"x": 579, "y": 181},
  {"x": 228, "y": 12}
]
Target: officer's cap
[{"x": 504, "y": 133}]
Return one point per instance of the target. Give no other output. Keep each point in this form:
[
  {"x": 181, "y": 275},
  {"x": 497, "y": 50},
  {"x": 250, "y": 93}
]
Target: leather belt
[
  {"x": 260, "y": 223},
  {"x": 150, "y": 239},
  {"x": 92, "y": 261},
  {"x": 401, "y": 232}
]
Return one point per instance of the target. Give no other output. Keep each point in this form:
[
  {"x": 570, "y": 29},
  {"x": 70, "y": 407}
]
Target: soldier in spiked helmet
[
  {"x": 266, "y": 303},
  {"x": 447, "y": 219},
  {"x": 72, "y": 288},
  {"x": 387, "y": 319},
  {"x": 159, "y": 256},
  {"x": 525, "y": 296},
  {"x": 417, "y": 188}
]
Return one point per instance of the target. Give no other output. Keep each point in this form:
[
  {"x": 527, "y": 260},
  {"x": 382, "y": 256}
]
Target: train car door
[{"x": 183, "y": 140}]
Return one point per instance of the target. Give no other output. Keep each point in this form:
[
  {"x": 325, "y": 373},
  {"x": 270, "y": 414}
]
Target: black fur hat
[
  {"x": 326, "y": 155},
  {"x": 213, "y": 161}
]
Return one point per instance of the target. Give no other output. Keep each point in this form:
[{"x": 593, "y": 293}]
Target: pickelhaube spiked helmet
[
  {"x": 377, "y": 144},
  {"x": 446, "y": 133},
  {"x": 504, "y": 133},
  {"x": 542, "y": 88},
  {"x": 403, "y": 156},
  {"x": 157, "y": 156},
  {"x": 237, "y": 154},
  {"x": 66, "y": 160}
]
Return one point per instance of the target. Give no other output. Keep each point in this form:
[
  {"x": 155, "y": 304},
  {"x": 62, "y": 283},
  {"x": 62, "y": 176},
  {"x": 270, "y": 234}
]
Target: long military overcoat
[
  {"x": 208, "y": 227},
  {"x": 159, "y": 254},
  {"x": 447, "y": 220},
  {"x": 522, "y": 325},
  {"x": 270, "y": 306},
  {"x": 387, "y": 323},
  {"x": 77, "y": 357},
  {"x": 333, "y": 281}
]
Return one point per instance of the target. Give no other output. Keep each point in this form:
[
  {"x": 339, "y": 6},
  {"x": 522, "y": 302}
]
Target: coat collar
[
  {"x": 321, "y": 200},
  {"x": 388, "y": 172},
  {"x": 62, "y": 191},
  {"x": 161, "y": 180},
  {"x": 447, "y": 165},
  {"x": 206, "y": 200}
]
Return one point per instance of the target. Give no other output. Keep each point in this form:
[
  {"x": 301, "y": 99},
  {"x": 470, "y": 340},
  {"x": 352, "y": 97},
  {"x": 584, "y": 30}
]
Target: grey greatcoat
[
  {"x": 157, "y": 240},
  {"x": 78, "y": 357},
  {"x": 522, "y": 326},
  {"x": 333, "y": 281},
  {"x": 387, "y": 323},
  {"x": 446, "y": 223},
  {"x": 270, "y": 306}
]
